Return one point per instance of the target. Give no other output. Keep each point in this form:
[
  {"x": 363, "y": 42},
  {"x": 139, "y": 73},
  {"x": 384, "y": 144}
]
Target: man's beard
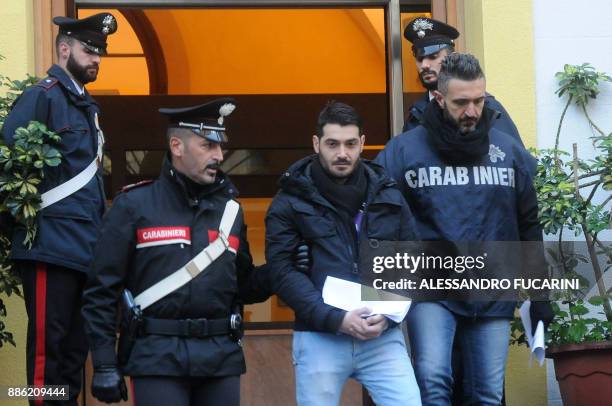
[
  {"x": 432, "y": 85},
  {"x": 341, "y": 176},
  {"x": 459, "y": 124},
  {"x": 79, "y": 73},
  {"x": 337, "y": 176}
]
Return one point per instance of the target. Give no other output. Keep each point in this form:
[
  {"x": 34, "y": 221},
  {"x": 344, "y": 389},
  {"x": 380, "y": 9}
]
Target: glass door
[{"x": 282, "y": 63}]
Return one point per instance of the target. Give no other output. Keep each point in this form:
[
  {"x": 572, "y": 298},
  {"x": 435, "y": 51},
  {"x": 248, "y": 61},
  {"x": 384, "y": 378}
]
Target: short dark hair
[
  {"x": 338, "y": 113},
  {"x": 182, "y": 133},
  {"x": 61, "y": 37},
  {"x": 458, "y": 66}
]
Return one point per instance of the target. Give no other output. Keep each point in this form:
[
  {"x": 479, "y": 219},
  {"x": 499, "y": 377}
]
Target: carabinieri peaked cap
[
  {"x": 91, "y": 31},
  {"x": 205, "y": 120},
  {"x": 429, "y": 36}
]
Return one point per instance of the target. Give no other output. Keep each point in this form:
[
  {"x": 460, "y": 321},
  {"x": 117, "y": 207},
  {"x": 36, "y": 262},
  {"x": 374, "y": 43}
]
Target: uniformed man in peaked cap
[
  {"x": 432, "y": 41},
  {"x": 91, "y": 32},
  {"x": 54, "y": 269},
  {"x": 178, "y": 246}
]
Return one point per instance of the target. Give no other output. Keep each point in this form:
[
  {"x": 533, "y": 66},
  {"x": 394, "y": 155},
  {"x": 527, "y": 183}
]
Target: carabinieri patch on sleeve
[{"x": 154, "y": 236}]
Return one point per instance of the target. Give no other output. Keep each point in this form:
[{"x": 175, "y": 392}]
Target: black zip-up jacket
[
  {"x": 151, "y": 231},
  {"x": 299, "y": 212}
]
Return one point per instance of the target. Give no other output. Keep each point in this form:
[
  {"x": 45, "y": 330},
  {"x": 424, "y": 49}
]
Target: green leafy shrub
[
  {"x": 566, "y": 186},
  {"x": 21, "y": 171}
]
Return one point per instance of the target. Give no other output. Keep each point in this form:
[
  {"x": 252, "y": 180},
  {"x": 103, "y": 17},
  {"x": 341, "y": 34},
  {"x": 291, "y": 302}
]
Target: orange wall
[
  {"x": 299, "y": 51},
  {"x": 270, "y": 51},
  {"x": 264, "y": 51}
]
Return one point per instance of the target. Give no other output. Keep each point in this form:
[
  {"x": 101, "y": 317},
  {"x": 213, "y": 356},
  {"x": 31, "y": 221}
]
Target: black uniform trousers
[
  {"x": 56, "y": 347},
  {"x": 186, "y": 391}
]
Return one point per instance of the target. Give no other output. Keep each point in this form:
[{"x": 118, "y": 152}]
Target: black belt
[{"x": 199, "y": 328}]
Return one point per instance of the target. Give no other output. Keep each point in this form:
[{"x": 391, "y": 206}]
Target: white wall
[{"x": 568, "y": 31}]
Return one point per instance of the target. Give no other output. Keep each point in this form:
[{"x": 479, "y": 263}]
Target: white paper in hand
[
  {"x": 346, "y": 295},
  {"x": 535, "y": 340}
]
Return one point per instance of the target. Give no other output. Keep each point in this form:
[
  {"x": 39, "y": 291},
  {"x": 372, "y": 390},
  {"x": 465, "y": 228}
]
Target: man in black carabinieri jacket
[{"x": 179, "y": 246}]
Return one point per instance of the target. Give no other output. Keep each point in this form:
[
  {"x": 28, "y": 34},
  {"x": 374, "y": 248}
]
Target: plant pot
[{"x": 584, "y": 372}]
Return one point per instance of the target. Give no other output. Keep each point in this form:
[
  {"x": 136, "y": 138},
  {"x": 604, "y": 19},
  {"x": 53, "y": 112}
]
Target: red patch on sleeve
[{"x": 234, "y": 242}]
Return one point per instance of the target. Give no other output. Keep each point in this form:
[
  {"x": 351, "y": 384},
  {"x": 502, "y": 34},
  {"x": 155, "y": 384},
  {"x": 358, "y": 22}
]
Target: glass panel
[
  {"x": 261, "y": 162},
  {"x": 282, "y": 65},
  {"x": 255, "y": 173},
  {"x": 144, "y": 164},
  {"x": 239, "y": 162},
  {"x": 113, "y": 80},
  {"x": 107, "y": 164},
  {"x": 272, "y": 51},
  {"x": 227, "y": 51},
  {"x": 107, "y": 172}
]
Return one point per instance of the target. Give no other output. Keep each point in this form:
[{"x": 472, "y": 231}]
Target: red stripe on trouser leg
[{"x": 41, "y": 314}]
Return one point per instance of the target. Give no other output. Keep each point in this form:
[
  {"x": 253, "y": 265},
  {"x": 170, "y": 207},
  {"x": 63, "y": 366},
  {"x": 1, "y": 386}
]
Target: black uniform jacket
[
  {"x": 300, "y": 212},
  {"x": 67, "y": 230},
  {"x": 151, "y": 231}
]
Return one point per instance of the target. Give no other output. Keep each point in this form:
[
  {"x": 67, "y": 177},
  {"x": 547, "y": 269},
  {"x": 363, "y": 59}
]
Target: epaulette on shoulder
[
  {"x": 133, "y": 186},
  {"x": 47, "y": 83}
]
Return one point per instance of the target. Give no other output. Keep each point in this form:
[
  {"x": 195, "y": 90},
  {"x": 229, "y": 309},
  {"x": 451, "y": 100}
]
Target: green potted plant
[
  {"x": 574, "y": 197},
  {"x": 21, "y": 170}
]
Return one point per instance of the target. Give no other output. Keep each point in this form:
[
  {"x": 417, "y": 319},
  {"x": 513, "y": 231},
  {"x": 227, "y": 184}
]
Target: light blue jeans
[
  {"x": 484, "y": 347},
  {"x": 324, "y": 362}
]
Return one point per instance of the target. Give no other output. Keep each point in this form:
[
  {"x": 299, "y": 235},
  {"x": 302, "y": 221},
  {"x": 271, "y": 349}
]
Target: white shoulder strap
[
  {"x": 80, "y": 180},
  {"x": 228, "y": 218},
  {"x": 197, "y": 265}
]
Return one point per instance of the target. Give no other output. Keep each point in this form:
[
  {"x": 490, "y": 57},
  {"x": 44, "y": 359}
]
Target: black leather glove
[
  {"x": 540, "y": 310},
  {"x": 108, "y": 384},
  {"x": 301, "y": 258}
]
